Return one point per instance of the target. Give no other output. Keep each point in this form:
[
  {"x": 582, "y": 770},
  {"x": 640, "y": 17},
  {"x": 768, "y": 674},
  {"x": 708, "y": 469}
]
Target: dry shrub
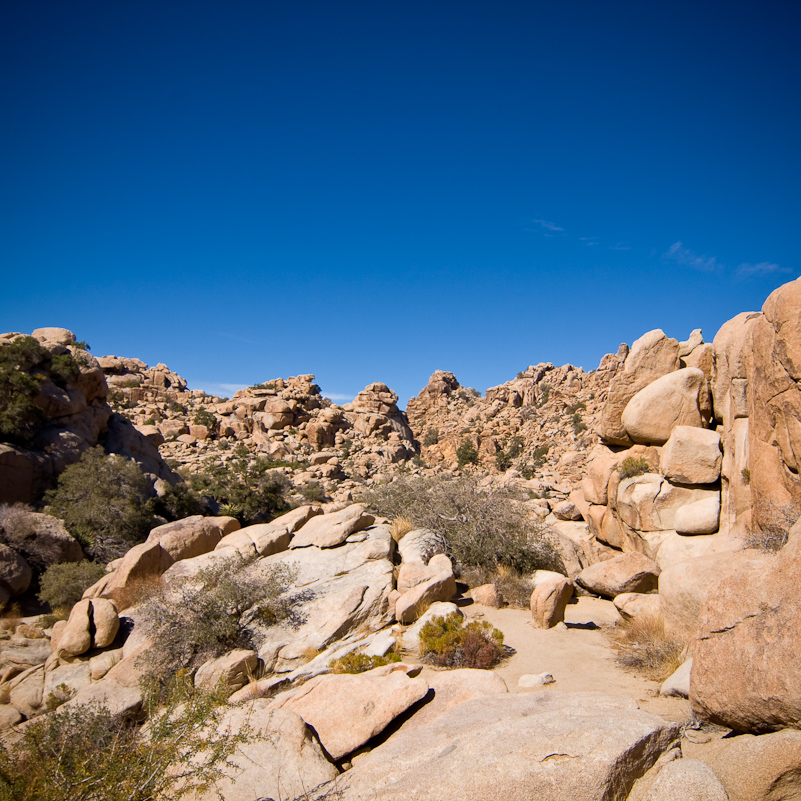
[
  {"x": 400, "y": 527},
  {"x": 642, "y": 644},
  {"x": 360, "y": 663},
  {"x": 11, "y": 616},
  {"x": 515, "y": 588}
]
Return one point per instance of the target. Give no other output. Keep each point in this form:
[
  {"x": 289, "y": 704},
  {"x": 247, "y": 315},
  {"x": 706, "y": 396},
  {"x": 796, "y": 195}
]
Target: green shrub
[
  {"x": 449, "y": 642},
  {"x": 573, "y": 408},
  {"x": 267, "y": 385},
  {"x": 63, "y": 369},
  {"x": 203, "y": 417},
  {"x": 359, "y": 663},
  {"x": 20, "y": 417},
  {"x": 481, "y": 525},
  {"x": 62, "y": 586},
  {"x": 466, "y": 453},
  {"x": 545, "y": 394},
  {"x": 746, "y": 474},
  {"x": 313, "y": 492},
  {"x": 215, "y": 611},
  {"x": 431, "y": 437},
  {"x": 250, "y": 489},
  {"x": 631, "y": 467},
  {"x": 179, "y": 501},
  {"x": 175, "y": 407},
  {"x": 103, "y": 501},
  {"x": 85, "y": 753},
  {"x": 578, "y": 424}
]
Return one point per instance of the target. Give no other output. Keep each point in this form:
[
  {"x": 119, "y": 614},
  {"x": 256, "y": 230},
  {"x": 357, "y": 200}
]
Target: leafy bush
[
  {"x": 574, "y": 407},
  {"x": 642, "y": 644},
  {"x": 103, "y": 501},
  {"x": 62, "y": 586},
  {"x": 431, "y": 437},
  {"x": 249, "y": 489},
  {"x": 631, "y": 467},
  {"x": 213, "y": 612},
  {"x": 20, "y": 417},
  {"x": 63, "y": 369},
  {"x": 203, "y": 417},
  {"x": 179, "y": 501},
  {"x": 175, "y": 407},
  {"x": 545, "y": 394},
  {"x": 449, "y": 642},
  {"x": 313, "y": 491},
  {"x": 466, "y": 453},
  {"x": 746, "y": 474},
  {"x": 84, "y": 753},
  {"x": 578, "y": 424},
  {"x": 481, "y": 524},
  {"x": 505, "y": 459},
  {"x": 359, "y": 663}
]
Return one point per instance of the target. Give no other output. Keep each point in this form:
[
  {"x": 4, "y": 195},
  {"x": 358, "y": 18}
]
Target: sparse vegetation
[
  {"x": 481, "y": 525},
  {"x": 214, "y": 611},
  {"x": 504, "y": 459},
  {"x": 431, "y": 437},
  {"x": 313, "y": 492},
  {"x": 545, "y": 394},
  {"x": 642, "y": 644},
  {"x": 746, "y": 474},
  {"x": 466, "y": 453},
  {"x": 84, "y": 753},
  {"x": 450, "y": 642},
  {"x": 203, "y": 417},
  {"x": 62, "y": 585},
  {"x": 578, "y": 424},
  {"x": 103, "y": 501},
  {"x": 631, "y": 467},
  {"x": 360, "y": 663},
  {"x": 772, "y": 537},
  {"x": 20, "y": 383}
]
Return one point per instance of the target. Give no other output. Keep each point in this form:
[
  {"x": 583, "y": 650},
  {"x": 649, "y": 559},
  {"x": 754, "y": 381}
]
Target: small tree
[
  {"x": 466, "y": 453},
  {"x": 63, "y": 585},
  {"x": 103, "y": 501},
  {"x": 19, "y": 385}
]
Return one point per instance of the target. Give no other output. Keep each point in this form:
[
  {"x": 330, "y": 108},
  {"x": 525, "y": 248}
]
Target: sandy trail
[{"x": 579, "y": 657}]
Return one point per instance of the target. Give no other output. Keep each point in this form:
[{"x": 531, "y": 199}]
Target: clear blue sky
[{"x": 375, "y": 190}]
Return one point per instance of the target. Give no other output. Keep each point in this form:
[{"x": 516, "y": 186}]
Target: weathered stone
[
  {"x": 751, "y": 768},
  {"x": 441, "y": 587},
  {"x": 142, "y": 562},
  {"x": 679, "y": 548},
  {"x": 281, "y": 760},
  {"x": 15, "y": 572},
  {"x": 234, "y": 670},
  {"x": 630, "y": 572},
  {"x": 105, "y": 622},
  {"x": 563, "y": 747},
  {"x": 746, "y": 673},
  {"x": 122, "y": 702},
  {"x": 487, "y": 595},
  {"x": 633, "y": 605},
  {"x": 678, "y": 682},
  {"x": 75, "y": 638},
  {"x": 670, "y": 401},
  {"x": 192, "y": 536},
  {"x": 26, "y": 691},
  {"x": 567, "y": 510},
  {"x": 699, "y": 517},
  {"x": 348, "y": 710},
  {"x": 528, "y": 681},
  {"x": 549, "y": 600},
  {"x": 71, "y": 678},
  {"x": 328, "y": 531},
  {"x": 687, "y": 780},
  {"x": 691, "y": 456},
  {"x": 600, "y": 466}
]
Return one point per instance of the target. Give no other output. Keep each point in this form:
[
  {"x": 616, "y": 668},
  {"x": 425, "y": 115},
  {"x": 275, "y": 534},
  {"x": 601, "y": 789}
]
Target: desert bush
[
  {"x": 313, "y": 491},
  {"x": 62, "y": 586},
  {"x": 450, "y": 642},
  {"x": 63, "y": 369},
  {"x": 359, "y": 663},
  {"x": 400, "y": 527},
  {"x": 642, "y": 644},
  {"x": 772, "y": 536},
  {"x": 203, "y": 417},
  {"x": 431, "y": 437},
  {"x": 466, "y": 453},
  {"x": 179, "y": 501},
  {"x": 214, "y": 611},
  {"x": 504, "y": 459},
  {"x": 746, "y": 474},
  {"x": 482, "y": 525},
  {"x": 631, "y": 467},
  {"x": 515, "y": 587},
  {"x": 578, "y": 424},
  {"x": 84, "y": 753},
  {"x": 545, "y": 394},
  {"x": 20, "y": 417},
  {"x": 104, "y": 503},
  {"x": 250, "y": 489}
]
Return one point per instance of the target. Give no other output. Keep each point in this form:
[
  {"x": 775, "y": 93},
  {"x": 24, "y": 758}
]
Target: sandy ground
[{"x": 578, "y": 656}]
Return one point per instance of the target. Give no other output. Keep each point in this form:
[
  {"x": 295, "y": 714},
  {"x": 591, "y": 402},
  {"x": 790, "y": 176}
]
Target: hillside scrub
[
  {"x": 450, "y": 642},
  {"x": 63, "y": 585},
  {"x": 481, "y": 524},
  {"x": 104, "y": 503},
  {"x": 86, "y": 754},
  {"x": 214, "y": 611},
  {"x": 20, "y": 383}
]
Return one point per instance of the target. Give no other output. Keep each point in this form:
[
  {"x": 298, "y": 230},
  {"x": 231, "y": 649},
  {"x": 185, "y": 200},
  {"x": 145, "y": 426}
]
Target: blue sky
[{"x": 372, "y": 191}]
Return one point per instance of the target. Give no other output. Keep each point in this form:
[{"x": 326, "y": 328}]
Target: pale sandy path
[{"x": 580, "y": 659}]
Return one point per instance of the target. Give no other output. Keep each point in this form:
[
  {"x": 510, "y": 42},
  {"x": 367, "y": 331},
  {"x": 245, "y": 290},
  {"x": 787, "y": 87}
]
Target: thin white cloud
[
  {"x": 233, "y": 387},
  {"x": 589, "y": 241},
  {"x": 619, "y": 246},
  {"x": 339, "y": 396},
  {"x": 548, "y": 226},
  {"x": 761, "y": 268},
  {"x": 688, "y": 258}
]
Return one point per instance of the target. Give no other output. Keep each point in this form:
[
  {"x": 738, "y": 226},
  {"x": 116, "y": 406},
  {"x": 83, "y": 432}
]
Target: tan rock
[
  {"x": 61, "y": 336},
  {"x": 549, "y": 600},
  {"x": 413, "y": 602},
  {"x": 678, "y": 683},
  {"x": 26, "y": 691},
  {"x": 296, "y": 518},
  {"x": 677, "y": 548},
  {"x": 651, "y": 356},
  {"x": 670, "y": 401},
  {"x": 746, "y": 645},
  {"x": 750, "y": 768},
  {"x": 105, "y": 622},
  {"x": 686, "y": 779},
  {"x": 122, "y": 702},
  {"x": 488, "y": 595},
  {"x": 75, "y": 638},
  {"x": 630, "y": 572},
  {"x": 700, "y": 517},
  {"x": 600, "y": 466},
  {"x": 516, "y": 746},
  {"x": 192, "y": 536},
  {"x": 328, "y": 531},
  {"x": 633, "y": 605},
  {"x": 348, "y": 710},
  {"x": 234, "y": 670},
  {"x": 145, "y": 561},
  {"x": 15, "y": 573},
  {"x": 691, "y": 456}
]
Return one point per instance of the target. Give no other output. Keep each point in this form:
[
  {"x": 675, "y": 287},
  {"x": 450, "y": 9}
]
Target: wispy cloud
[
  {"x": 688, "y": 258},
  {"x": 233, "y": 387},
  {"x": 761, "y": 268},
  {"x": 548, "y": 226},
  {"x": 619, "y": 246},
  {"x": 340, "y": 396},
  {"x": 589, "y": 241}
]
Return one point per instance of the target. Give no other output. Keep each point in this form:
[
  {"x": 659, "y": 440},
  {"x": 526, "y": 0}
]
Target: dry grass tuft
[
  {"x": 400, "y": 527},
  {"x": 137, "y": 591},
  {"x": 643, "y": 645}
]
